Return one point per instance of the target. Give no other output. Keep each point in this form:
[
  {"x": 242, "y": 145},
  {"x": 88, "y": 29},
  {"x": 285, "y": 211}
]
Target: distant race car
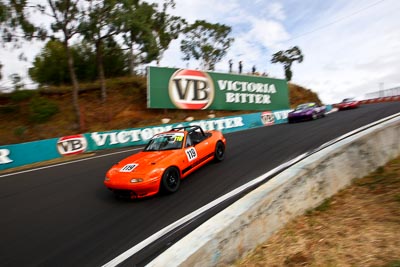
[
  {"x": 347, "y": 103},
  {"x": 307, "y": 111},
  {"x": 167, "y": 158}
]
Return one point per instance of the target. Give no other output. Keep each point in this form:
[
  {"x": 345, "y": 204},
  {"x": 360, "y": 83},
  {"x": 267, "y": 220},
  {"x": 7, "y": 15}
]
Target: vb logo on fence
[
  {"x": 191, "y": 89},
  {"x": 71, "y": 145}
]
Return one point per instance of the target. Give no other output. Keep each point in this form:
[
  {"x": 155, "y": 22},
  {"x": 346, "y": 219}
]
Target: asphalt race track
[{"x": 64, "y": 216}]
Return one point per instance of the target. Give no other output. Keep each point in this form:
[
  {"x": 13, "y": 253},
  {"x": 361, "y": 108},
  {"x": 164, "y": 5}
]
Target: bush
[
  {"x": 41, "y": 109},
  {"x": 9, "y": 109},
  {"x": 20, "y": 131},
  {"x": 21, "y": 95}
]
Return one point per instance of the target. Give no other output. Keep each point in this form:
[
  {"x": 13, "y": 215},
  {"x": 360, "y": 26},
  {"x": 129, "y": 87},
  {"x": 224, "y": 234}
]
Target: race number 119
[{"x": 191, "y": 154}]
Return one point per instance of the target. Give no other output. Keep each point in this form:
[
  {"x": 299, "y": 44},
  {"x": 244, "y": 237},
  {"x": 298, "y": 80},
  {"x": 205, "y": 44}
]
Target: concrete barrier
[{"x": 250, "y": 221}]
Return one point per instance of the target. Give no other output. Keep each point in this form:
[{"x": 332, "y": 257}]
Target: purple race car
[{"x": 307, "y": 111}]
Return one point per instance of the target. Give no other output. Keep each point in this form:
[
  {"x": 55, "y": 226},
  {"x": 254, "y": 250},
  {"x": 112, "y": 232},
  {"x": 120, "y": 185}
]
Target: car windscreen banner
[{"x": 193, "y": 89}]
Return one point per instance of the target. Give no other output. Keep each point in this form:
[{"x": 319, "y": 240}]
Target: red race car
[
  {"x": 347, "y": 103},
  {"x": 167, "y": 158}
]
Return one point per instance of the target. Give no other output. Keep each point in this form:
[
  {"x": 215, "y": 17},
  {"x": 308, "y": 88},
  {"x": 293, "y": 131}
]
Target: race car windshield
[
  {"x": 346, "y": 100},
  {"x": 162, "y": 142},
  {"x": 305, "y": 106}
]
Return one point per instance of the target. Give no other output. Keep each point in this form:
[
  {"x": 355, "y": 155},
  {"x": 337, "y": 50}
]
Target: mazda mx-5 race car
[
  {"x": 307, "y": 111},
  {"x": 167, "y": 158},
  {"x": 347, "y": 103}
]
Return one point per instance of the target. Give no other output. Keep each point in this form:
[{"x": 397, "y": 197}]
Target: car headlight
[{"x": 136, "y": 180}]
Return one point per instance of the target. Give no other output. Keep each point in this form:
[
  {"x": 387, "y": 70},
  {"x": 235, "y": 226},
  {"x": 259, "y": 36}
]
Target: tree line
[{"x": 93, "y": 39}]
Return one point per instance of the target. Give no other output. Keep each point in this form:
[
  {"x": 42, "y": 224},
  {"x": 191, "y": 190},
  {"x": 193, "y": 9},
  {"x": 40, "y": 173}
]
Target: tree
[
  {"x": 16, "y": 81},
  {"x": 97, "y": 26},
  {"x": 287, "y": 58},
  {"x": 4, "y": 16},
  {"x": 86, "y": 60},
  {"x": 3, "y": 10},
  {"x": 207, "y": 42},
  {"x": 14, "y": 24},
  {"x": 146, "y": 31},
  {"x": 66, "y": 16},
  {"x": 50, "y": 66},
  {"x": 135, "y": 22},
  {"x": 115, "y": 63},
  {"x": 166, "y": 28}
]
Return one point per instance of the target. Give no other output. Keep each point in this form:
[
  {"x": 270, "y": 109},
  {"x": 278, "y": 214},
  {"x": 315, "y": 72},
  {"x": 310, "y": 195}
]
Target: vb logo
[
  {"x": 191, "y": 89},
  {"x": 267, "y": 118},
  {"x": 71, "y": 145}
]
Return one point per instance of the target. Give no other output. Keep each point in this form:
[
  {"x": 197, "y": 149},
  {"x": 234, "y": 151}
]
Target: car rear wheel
[
  {"x": 219, "y": 153},
  {"x": 171, "y": 180}
]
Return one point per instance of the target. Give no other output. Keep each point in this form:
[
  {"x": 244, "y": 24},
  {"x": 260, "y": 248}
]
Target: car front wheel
[
  {"x": 314, "y": 116},
  {"x": 171, "y": 180}
]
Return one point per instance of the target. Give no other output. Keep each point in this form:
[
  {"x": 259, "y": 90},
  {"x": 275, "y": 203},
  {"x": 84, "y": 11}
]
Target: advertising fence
[
  {"x": 193, "y": 89},
  {"x": 27, "y": 153}
]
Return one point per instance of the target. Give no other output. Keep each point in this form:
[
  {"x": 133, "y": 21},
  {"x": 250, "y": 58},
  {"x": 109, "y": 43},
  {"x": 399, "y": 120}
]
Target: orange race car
[{"x": 167, "y": 158}]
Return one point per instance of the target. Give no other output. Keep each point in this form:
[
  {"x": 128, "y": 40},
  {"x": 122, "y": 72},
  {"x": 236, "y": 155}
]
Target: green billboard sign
[{"x": 193, "y": 89}]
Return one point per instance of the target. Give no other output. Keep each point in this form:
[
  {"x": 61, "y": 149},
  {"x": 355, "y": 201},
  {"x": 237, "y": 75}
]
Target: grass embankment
[{"x": 359, "y": 226}]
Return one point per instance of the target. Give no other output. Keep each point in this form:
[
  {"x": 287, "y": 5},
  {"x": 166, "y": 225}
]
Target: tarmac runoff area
[{"x": 250, "y": 221}]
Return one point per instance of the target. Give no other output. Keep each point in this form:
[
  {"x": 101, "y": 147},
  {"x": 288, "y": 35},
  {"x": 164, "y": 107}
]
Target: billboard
[{"x": 193, "y": 89}]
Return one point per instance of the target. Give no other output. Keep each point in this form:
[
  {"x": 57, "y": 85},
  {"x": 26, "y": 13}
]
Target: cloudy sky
[{"x": 350, "y": 47}]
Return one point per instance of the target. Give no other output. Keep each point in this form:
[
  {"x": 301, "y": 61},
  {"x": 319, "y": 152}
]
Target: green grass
[{"x": 324, "y": 206}]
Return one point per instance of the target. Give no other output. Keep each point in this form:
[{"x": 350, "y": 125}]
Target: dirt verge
[{"x": 359, "y": 226}]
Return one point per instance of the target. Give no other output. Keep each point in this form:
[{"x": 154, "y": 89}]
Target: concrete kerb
[{"x": 253, "y": 219}]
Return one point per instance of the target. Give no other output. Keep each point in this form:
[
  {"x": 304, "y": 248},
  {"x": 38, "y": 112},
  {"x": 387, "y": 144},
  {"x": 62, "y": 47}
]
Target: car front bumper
[{"x": 134, "y": 190}]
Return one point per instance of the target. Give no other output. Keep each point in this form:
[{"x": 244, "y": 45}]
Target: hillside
[{"x": 24, "y": 113}]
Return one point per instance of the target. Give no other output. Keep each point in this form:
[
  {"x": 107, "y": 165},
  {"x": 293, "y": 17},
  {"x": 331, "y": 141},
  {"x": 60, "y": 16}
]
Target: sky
[{"x": 350, "y": 47}]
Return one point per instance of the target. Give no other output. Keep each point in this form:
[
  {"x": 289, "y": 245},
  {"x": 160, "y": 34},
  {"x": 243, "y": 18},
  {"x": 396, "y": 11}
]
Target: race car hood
[
  {"x": 141, "y": 163},
  {"x": 348, "y": 103}
]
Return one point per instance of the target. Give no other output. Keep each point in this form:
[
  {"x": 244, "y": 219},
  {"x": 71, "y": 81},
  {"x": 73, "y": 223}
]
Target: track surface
[{"x": 64, "y": 216}]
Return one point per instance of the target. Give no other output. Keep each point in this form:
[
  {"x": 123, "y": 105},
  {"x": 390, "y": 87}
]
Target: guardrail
[
  {"x": 380, "y": 99},
  {"x": 304, "y": 185}
]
